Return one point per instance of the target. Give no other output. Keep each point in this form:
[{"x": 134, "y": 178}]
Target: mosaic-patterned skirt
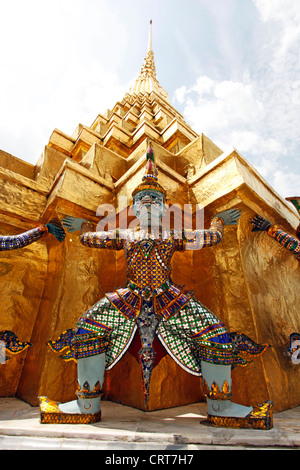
[
  {"x": 102, "y": 328},
  {"x": 192, "y": 335}
]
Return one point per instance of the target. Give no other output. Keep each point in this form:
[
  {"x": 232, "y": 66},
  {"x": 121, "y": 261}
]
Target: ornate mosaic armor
[
  {"x": 153, "y": 306},
  {"x": 260, "y": 224},
  {"x": 286, "y": 240},
  {"x": 148, "y": 260},
  {"x": 12, "y": 344},
  {"x": 13, "y": 242},
  {"x": 188, "y": 331}
]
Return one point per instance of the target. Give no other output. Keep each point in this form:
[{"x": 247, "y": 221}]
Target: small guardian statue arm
[
  {"x": 13, "y": 242},
  {"x": 89, "y": 237},
  {"x": 214, "y": 235},
  {"x": 9, "y": 342},
  {"x": 260, "y": 224}
]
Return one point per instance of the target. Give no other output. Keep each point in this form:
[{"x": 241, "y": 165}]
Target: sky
[{"x": 230, "y": 67}]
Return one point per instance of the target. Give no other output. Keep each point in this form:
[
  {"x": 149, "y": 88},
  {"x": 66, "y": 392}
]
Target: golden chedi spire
[{"x": 146, "y": 82}]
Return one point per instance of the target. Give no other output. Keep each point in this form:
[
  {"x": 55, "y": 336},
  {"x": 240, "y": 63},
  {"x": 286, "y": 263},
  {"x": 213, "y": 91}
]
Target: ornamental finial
[
  {"x": 150, "y": 37},
  {"x": 150, "y": 180}
]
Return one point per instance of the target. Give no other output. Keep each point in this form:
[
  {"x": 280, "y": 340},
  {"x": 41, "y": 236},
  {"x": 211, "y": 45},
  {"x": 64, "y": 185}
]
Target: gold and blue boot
[
  {"x": 84, "y": 410},
  {"x": 221, "y": 411}
]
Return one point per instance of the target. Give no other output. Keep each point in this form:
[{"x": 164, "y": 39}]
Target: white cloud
[
  {"x": 224, "y": 110},
  {"x": 257, "y": 113},
  {"x": 287, "y": 14},
  {"x": 251, "y": 142},
  {"x": 286, "y": 183},
  {"x": 57, "y": 69},
  {"x": 180, "y": 94},
  {"x": 234, "y": 113},
  {"x": 204, "y": 85},
  {"x": 63, "y": 106}
]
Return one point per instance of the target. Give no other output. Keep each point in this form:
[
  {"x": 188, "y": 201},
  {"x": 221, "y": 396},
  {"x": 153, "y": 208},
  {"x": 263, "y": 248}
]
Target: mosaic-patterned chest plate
[{"x": 149, "y": 261}]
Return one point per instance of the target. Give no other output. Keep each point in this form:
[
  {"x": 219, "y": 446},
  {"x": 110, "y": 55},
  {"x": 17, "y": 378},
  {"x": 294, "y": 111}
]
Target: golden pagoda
[{"x": 248, "y": 281}]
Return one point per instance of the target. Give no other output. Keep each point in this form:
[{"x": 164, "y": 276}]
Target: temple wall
[
  {"x": 16, "y": 165},
  {"x": 77, "y": 277},
  {"x": 273, "y": 277},
  {"x": 22, "y": 280},
  {"x": 218, "y": 281}
]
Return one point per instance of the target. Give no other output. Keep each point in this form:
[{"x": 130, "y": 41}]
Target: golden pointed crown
[{"x": 150, "y": 180}]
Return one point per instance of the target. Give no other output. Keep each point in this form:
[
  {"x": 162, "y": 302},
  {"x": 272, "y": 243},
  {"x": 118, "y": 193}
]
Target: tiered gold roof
[{"x": 144, "y": 112}]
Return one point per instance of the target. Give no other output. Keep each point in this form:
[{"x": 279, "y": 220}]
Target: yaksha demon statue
[
  {"x": 151, "y": 305},
  {"x": 12, "y": 344}
]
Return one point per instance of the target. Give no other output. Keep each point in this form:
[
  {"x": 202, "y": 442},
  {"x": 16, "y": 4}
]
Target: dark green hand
[
  {"x": 56, "y": 229},
  {"x": 260, "y": 224}
]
